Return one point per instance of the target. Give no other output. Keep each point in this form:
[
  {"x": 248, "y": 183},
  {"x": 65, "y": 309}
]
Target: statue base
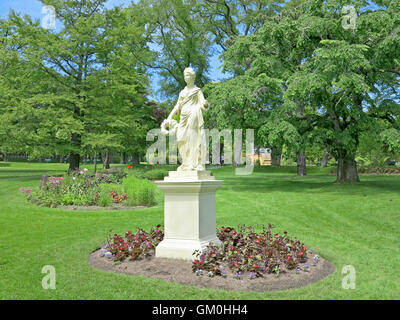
[{"x": 189, "y": 213}]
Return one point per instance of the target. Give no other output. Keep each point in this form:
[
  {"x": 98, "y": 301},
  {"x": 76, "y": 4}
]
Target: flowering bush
[
  {"x": 248, "y": 251},
  {"x": 104, "y": 188},
  {"x": 132, "y": 245}
]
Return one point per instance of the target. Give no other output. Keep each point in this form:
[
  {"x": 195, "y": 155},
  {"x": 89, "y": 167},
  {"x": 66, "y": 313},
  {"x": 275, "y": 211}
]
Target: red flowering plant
[
  {"x": 132, "y": 245},
  {"x": 245, "y": 250},
  {"x": 117, "y": 198}
]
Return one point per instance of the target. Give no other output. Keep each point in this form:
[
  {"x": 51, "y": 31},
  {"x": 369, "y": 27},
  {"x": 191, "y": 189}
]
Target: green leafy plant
[
  {"x": 132, "y": 245},
  {"x": 139, "y": 191},
  {"x": 84, "y": 189},
  {"x": 245, "y": 250}
]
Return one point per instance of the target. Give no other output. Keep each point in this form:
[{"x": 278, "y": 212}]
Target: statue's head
[{"x": 189, "y": 74}]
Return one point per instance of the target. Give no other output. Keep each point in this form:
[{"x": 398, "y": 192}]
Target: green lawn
[{"x": 353, "y": 224}]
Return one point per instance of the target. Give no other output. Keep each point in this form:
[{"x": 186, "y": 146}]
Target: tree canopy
[{"x": 304, "y": 74}]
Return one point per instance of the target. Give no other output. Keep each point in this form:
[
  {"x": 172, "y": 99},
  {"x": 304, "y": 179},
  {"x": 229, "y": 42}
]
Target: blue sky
[{"x": 34, "y": 9}]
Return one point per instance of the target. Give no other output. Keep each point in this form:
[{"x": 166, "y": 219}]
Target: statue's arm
[{"x": 204, "y": 104}]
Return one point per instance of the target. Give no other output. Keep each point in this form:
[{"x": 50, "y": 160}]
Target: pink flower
[
  {"x": 60, "y": 178},
  {"x": 301, "y": 253}
]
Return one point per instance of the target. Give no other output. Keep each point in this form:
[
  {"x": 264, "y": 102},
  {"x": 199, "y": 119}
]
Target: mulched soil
[{"x": 180, "y": 271}]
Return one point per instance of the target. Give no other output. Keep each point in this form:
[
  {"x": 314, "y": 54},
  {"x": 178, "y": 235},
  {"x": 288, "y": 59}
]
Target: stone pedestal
[{"x": 189, "y": 213}]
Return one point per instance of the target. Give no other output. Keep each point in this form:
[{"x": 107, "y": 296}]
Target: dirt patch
[
  {"x": 180, "y": 271},
  {"x": 95, "y": 208}
]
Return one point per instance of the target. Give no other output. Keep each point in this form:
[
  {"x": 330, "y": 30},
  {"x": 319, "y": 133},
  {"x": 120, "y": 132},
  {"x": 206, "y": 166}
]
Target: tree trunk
[
  {"x": 95, "y": 161},
  {"x": 61, "y": 159},
  {"x": 122, "y": 159},
  {"x": 106, "y": 160},
  {"x": 5, "y": 157},
  {"x": 276, "y": 157},
  {"x": 74, "y": 160},
  {"x": 347, "y": 170},
  {"x": 301, "y": 163},
  {"x": 325, "y": 158},
  {"x": 135, "y": 159}
]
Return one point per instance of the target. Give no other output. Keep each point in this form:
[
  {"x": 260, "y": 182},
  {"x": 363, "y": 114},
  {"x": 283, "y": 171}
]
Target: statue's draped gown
[{"x": 190, "y": 134}]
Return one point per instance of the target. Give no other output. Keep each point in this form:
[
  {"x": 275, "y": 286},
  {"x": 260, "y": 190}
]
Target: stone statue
[{"x": 190, "y": 129}]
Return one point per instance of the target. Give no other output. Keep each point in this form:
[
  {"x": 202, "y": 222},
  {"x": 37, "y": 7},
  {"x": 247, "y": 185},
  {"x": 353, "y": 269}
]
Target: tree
[
  {"x": 88, "y": 83},
  {"x": 328, "y": 80},
  {"x": 270, "y": 56},
  {"x": 338, "y": 81},
  {"x": 177, "y": 39}
]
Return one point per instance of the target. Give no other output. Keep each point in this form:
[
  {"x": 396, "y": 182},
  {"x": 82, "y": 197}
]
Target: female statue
[{"x": 190, "y": 131}]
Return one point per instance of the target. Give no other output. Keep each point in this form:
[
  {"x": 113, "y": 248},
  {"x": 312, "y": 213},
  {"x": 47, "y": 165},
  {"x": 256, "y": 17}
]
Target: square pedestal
[{"x": 189, "y": 213}]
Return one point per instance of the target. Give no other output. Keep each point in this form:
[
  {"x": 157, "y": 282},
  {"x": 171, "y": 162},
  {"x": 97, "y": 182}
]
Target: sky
[{"x": 34, "y": 9}]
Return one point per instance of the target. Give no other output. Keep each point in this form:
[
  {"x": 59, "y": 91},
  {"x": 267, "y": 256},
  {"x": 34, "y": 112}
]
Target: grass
[{"x": 350, "y": 224}]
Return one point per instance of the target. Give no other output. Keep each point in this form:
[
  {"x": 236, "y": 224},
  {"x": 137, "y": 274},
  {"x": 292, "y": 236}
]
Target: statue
[{"x": 190, "y": 129}]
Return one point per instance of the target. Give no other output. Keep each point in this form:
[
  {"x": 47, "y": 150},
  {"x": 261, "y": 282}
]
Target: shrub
[
  {"x": 103, "y": 199},
  {"x": 83, "y": 189},
  {"x": 132, "y": 245},
  {"x": 150, "y": 173},
  {"x": 247, "y": 251},
  {"x": 139, "y": 192},
  {"x": 156, "y": 174}
]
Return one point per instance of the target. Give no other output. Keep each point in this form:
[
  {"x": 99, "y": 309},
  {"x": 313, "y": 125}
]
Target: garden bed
[
  {"x": 247, "y": 260},
  {"x": 105, "y": 190},
  {"x": 180, "y": 271}
]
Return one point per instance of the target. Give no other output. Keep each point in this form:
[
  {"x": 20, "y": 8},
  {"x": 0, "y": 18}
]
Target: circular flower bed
[{"x": 273, "y": 260}]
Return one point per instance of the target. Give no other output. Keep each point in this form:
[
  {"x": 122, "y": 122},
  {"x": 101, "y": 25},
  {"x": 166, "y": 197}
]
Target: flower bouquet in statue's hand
[{"x": 169, "y": 127}]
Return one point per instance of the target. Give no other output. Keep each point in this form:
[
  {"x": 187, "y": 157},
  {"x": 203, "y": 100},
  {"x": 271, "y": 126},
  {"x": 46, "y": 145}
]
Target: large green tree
[
  {"x": 327, "y": 81},
  {"x": 88, "y": 92},
  {"x": 176, "y": 36}
]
